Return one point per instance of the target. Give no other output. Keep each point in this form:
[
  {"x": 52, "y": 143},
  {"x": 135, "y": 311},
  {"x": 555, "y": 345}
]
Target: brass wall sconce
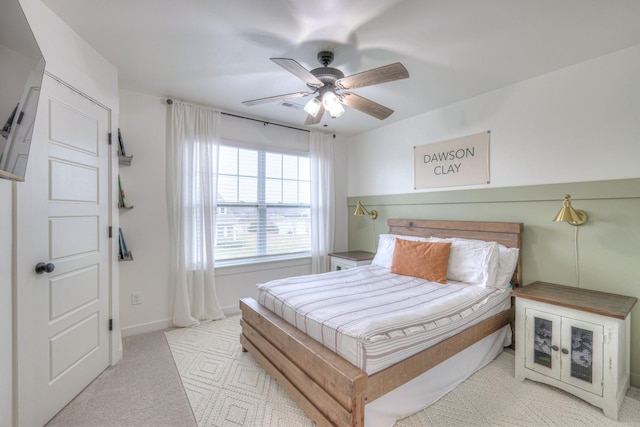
[
  {"x": 569, "y": 214},
  {"x": 361, "y": 210}
]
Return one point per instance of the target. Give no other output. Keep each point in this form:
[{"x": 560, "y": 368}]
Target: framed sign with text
[{"x": 454, "y": 162}]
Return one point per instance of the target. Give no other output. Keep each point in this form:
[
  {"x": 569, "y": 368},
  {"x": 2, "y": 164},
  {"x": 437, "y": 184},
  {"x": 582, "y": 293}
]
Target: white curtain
[
  {"x": 322, "y": 200},
  {"x": 192, "y": 162}
]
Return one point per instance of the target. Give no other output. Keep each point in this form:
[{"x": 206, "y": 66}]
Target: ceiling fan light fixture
[
  {"x": 332, "y": 104},
  {"x": 313, "y": 106},
  {"x": 336, "y": 110},
  {"x": 325, "y": 84},
  {"x": 329, "y": 99}
]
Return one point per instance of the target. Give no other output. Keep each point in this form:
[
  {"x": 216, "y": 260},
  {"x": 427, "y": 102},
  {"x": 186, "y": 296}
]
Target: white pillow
[
  {"x": 474, "y": 262},
  {"x": 506, "y": 265},
  {"x": 386, "y": 246}
]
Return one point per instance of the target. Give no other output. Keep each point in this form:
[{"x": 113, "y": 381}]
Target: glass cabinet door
[
  {"x": 543, "y": 342},
  {"x": 582, "y": 353},
  {"x": 566, "y": 349}
]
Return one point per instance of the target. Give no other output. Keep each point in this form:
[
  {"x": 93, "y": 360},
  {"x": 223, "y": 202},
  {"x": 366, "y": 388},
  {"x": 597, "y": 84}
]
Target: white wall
[
  {"x": 341, "y": 239},
  {"x": 6, "y": 322},
  {"x": 577, "y": 124},
  {"x": 143, "y": 122},
  {"x": 143, "y": 125},
  {"x": 71, "y": 59}
]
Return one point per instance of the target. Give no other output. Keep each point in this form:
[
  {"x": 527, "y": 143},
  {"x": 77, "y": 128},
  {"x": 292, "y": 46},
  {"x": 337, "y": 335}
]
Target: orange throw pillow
[{"x": 427, "y": 260}]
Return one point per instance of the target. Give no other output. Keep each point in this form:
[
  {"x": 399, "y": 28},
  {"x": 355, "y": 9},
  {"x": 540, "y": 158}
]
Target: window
[{"x": 263, "y": 206}]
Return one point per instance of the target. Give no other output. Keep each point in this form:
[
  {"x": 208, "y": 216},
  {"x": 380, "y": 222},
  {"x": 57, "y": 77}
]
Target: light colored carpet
[
  {"x": 143, "y": 389},
  {"x": 226, "y": 387}
]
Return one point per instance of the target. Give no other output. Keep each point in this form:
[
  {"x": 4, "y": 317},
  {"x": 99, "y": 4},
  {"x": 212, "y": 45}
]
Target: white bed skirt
[{"x": 427, "y": 388}]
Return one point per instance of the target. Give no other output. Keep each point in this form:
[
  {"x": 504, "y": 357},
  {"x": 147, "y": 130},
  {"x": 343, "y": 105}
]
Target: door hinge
[
  {"x": 111, "y": 324},
  {"x": 110, "y": 232},
  {"x": 109, "y": 138}
]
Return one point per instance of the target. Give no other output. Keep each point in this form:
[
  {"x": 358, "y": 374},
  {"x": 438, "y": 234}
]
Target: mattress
[{"x": 374, "y": 318}]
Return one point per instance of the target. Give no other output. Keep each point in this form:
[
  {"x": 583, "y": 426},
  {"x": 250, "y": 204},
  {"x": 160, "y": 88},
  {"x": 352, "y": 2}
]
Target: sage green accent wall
[{"x": 608, "y": 245}]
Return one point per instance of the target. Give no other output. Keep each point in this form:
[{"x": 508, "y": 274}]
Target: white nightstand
[
  {"x": 350, "y": 259},
  {"x": 575, "y": 339}
]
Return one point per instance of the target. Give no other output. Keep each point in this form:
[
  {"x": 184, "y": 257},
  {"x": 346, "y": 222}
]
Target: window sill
[{"x": 224, "y": 268}]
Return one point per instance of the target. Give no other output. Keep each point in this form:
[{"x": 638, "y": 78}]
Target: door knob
[{"x": 42, "y": 268}]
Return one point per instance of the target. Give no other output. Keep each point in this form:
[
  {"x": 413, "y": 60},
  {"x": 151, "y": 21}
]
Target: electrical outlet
[{"x": 136, "y": 298}]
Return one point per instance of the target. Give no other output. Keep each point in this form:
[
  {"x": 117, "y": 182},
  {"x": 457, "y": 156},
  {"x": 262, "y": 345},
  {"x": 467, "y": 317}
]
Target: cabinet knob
[
  {"x": 565, "y": 351},
  {"x": 42, "y": 268},
  {"x": 555, "y": 348}
]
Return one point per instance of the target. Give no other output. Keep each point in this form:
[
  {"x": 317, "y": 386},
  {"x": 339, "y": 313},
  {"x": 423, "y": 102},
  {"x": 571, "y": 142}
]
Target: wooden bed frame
[{"x": 331, "y": 390}]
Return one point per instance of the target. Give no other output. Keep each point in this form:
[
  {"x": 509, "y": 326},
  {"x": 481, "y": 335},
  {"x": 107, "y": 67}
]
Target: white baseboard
[
  {"x": 232, "y": 310},
  {"x": 160, "y": 325},
  {"x": 143, "y": 328},
  {"x": 635, "y": 380}
]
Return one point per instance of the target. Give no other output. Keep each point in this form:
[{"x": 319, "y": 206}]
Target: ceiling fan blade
[
  {"x": 366, "y": 106},
  {"x": 388, "y": 73},
  {"x": 311, "y": 120},
  {"x": 275, "y": 98},
  {"x": 298, "y": 70}
]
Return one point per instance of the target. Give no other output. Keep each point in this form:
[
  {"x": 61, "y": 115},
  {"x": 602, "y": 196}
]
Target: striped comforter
[{"x": 374, "y": 318}]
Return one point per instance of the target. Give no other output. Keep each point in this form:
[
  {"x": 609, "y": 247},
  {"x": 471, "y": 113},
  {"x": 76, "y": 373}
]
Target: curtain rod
[{"x": 264, "y": 122}]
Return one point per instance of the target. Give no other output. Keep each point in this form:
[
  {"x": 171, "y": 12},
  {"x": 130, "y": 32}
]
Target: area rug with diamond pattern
[{"x": 227, "y": 387}]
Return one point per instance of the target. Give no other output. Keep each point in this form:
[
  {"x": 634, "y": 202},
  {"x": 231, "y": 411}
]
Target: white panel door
[{"x": 62, "y": 221}]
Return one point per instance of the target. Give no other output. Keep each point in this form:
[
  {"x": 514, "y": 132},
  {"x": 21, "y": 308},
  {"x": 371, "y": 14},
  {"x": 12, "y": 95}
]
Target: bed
[{"x": 333, "y": 390}]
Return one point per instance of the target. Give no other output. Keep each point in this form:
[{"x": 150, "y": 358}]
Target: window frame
[{"x": 262, "y": 207}]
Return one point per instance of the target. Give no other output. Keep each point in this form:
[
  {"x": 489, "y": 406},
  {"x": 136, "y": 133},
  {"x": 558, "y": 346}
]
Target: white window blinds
[{"x": 263, "y": 204}]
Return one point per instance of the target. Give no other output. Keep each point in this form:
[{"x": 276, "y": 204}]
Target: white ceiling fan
[{"x": 332, "y": 88}]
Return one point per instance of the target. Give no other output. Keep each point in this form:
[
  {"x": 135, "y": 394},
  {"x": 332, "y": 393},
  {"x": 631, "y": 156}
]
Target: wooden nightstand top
[
  {"x": 354, "y": 255},
  {"x": 603, "y": 303}
]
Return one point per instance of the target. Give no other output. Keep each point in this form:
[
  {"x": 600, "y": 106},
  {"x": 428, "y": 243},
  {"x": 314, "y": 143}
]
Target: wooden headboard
[{"x": 506, "y": 233}]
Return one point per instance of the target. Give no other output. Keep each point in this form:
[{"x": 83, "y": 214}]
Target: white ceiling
[{"x": 217, "y": 52}]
